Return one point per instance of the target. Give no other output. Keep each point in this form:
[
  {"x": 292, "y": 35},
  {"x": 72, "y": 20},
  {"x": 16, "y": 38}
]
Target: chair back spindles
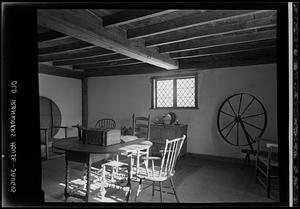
[
  {"x": 106, "y": 123},
  {"x": 170, "y": 155}
]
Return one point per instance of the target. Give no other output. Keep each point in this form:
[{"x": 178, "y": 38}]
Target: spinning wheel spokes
[{"x": 241, "y": 118}]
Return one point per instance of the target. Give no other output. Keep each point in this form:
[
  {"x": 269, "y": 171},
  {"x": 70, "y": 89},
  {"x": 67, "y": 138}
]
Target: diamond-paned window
[
  {"x": 164, "y": 91},
  {"x": 175, "y": 92},
  {"x": 186, "y": 92}
]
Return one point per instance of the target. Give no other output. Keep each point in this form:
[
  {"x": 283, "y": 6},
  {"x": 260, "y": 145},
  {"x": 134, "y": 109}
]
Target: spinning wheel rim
[{"x": 240, "y": 120}]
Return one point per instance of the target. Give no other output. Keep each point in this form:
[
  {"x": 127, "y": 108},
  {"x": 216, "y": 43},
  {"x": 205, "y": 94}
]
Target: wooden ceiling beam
[
  {"x": 57, "y": 41},
  {"x": 255, "y": 57},
  {"x": 107, "y": 64},
  {"x": 108, "y": 58},
  {"x": 130, "y": 16},
  {"x": 218, "y": 41},
  {"x": 206, "y": 17},
  {"x": 269, "y": 22},
  {"x": 120, "y": 70},
  {"x": 52, "y": 70},
  {"x": 237, "y": 47},
  {"x": 76, "y": 54},
  {"x": 83, "y": 25},
  {"x": 64, "y": 48},
  {"x": 49, "y": 35}
]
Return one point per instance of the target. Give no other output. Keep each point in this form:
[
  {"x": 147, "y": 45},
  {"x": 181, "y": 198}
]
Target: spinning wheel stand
[{"x": 248, "y": 115}]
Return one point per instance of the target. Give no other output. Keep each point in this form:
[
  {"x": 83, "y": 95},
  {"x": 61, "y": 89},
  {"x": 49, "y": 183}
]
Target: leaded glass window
[{"x": 174, "y": 92}]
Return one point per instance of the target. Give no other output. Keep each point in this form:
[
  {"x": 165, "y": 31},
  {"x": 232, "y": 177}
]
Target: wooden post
[{"x": 84, "y": 94}]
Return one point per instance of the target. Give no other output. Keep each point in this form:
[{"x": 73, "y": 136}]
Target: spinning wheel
[{"x": 242, "y": 118}]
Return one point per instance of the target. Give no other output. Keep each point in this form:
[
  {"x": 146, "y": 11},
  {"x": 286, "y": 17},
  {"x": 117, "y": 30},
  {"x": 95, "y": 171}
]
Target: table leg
[
  {"x": 88, "y": 169},
  {"x": 66, "y": 193},
  {"x": 137, "y": 162}
]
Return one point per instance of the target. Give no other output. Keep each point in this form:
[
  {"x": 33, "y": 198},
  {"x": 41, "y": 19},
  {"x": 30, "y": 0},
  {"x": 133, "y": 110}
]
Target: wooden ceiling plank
[
  {"x": 86, "y": 27},
  {"x": 107, "y": 64},
  {"x": 269, "y": 22},
  {"x": 108, "y": 58},
  {"x": 207, "y": 17},
  {"x": 130, "y": 16},
  {"x": 64, "y": 48},
  {"x": 217, "y": 41},
  {"x": 76, "y": 54}
]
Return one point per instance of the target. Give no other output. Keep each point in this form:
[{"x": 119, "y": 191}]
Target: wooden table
[{"x": 77, "y": 151}]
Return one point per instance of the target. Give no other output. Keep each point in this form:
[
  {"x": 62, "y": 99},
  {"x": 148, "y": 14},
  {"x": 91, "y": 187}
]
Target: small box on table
[{"x": 102, "y": 137}]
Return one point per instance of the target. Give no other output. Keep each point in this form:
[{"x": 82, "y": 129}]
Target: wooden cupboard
[{"x": 159, "y": 134}]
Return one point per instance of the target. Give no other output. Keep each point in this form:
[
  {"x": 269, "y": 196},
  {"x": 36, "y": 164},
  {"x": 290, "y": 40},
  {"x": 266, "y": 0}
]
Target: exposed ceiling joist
[
  {"x": 107, "y": 64},
  {"x": 218, "y": 41},
  {"x": 76, "y": 54},
  {"x": 251, "y": 57},
  {"x": 130, "y": 16},
  {"x": 269, "y": 22},
  {"x": 57, "y": 41},
  {"x": 108, "y": 58},
  {"x": 83, "y": 25},
  {"x": 246, "y": 58},
  {"x": 64, "y": 48},
  {"x": 52, "y": 70},
  {"x": 120, "y": 70},
  {"x": 231, "y": 48},
  {"x": 206, "y": 17},
  {"x": 49, "y": 35}
]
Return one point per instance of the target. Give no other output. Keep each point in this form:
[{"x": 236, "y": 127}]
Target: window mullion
[{"x": 174, "y": 92}]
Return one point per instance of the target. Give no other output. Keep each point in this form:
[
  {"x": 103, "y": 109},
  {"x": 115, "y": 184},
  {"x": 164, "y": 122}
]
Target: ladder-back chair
[
  {"x": 266, "y": 168},
  {"x": 141, "y": 129},
  {"x": 165, "y": 171}
]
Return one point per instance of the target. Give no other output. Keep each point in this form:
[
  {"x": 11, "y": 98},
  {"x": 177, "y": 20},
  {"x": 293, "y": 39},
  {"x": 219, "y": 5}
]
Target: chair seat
[
  {"x": 153, "y": 175},
  {"x": 114, "y": 163}
]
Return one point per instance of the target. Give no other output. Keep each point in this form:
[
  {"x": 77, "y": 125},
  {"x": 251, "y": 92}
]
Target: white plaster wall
[
  {"x": 66, "y": 93},
  {"x": 121, "y": 96}
]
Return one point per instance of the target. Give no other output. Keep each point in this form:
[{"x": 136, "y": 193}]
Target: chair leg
[
  {"x": 160, "y": 191},
  {"x": 138, "y": 190},
  {"x": 47, "y": 153},
  {"x": 102, "y": 189},
  {"x": 153, "y": 185},
  {"x": 128, "y": 184},
  {"x": 268, "y": 183},
  {"x": 173, "y": 187}
]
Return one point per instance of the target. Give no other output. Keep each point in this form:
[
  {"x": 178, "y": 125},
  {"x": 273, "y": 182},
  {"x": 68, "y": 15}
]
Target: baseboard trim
[{"x": 219, "y": 158}]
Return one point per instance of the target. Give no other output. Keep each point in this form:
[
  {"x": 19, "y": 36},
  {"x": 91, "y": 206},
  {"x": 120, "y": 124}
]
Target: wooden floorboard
[{"x": 196, "y": 181}]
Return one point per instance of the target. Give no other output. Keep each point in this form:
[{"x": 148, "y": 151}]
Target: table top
[{"x": 73, "y": 144}]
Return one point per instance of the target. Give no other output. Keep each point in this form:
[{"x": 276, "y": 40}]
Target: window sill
[{"x": 174, "y": 108}]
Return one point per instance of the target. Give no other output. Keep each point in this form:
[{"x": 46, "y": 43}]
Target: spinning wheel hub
[{"x": 238, "y": 119}]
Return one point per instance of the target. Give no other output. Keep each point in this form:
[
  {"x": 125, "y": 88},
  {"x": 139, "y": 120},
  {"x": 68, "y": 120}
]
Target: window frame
[{"x": 154, "y": 80}]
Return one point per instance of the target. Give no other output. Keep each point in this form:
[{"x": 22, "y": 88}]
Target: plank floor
[{"x": 196, "y": 181}]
